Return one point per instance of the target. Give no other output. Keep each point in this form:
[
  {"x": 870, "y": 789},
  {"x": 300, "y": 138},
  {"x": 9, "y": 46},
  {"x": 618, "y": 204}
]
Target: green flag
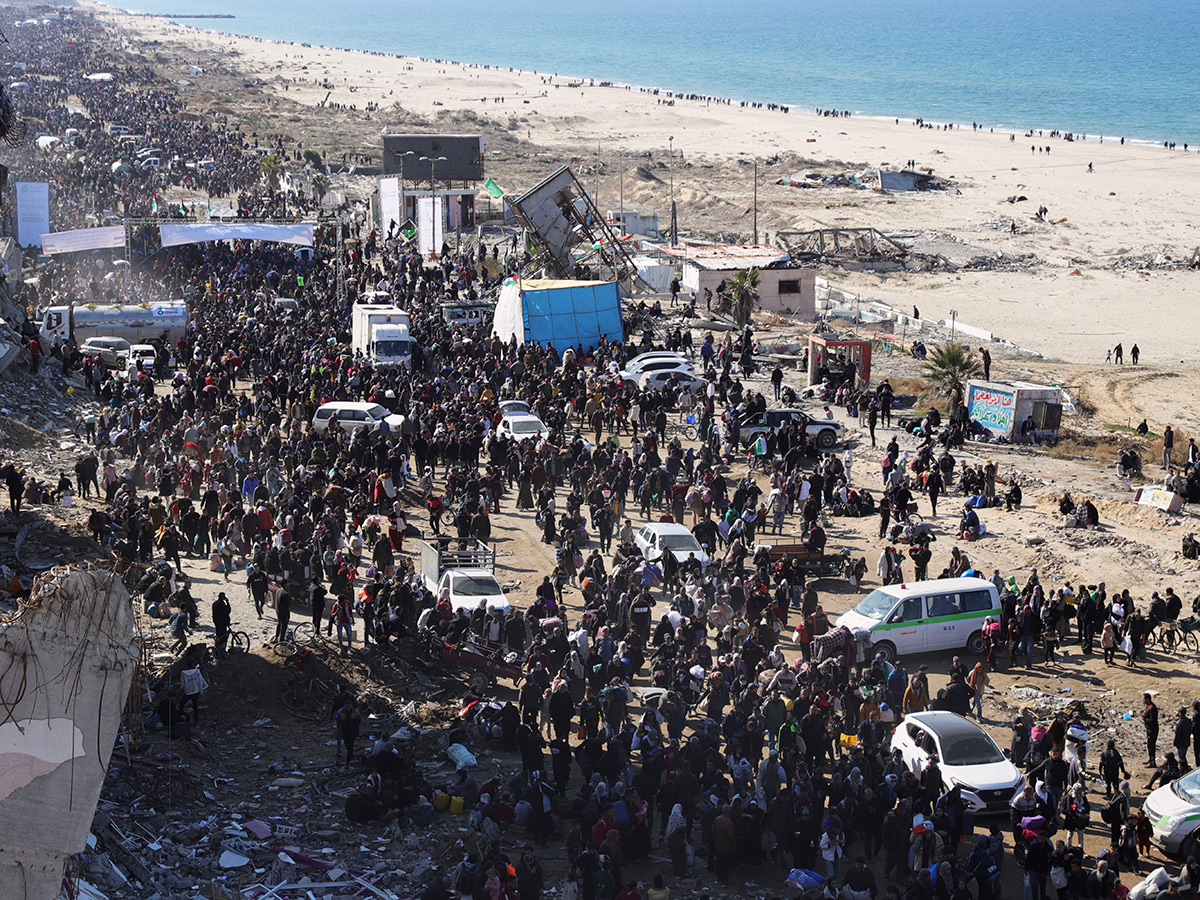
[{"x": 494, "y": 189}]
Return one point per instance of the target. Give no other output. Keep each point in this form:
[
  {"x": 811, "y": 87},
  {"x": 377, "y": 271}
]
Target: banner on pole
[
  {"x": 429, "y": 225},
  {"x": 107, "y": 238},
  {"x": 389, "y": 203},
  {"x": 174, "y": 235},
  {"x": 33, "y": 212}
]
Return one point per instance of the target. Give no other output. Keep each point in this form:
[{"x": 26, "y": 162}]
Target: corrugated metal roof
[{"x": 727, "y": 256}]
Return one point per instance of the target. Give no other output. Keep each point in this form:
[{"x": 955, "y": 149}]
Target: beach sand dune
[{"x": 1135, "y": 203}]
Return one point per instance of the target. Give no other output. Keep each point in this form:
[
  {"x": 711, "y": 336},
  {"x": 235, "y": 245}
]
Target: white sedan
[
  {"x": 468, "y": 587},
  {"x": 667, "y": 365},
  {"x": 657, "y": 538},
  {"x": 966, "y": 754},
  {"x": 520, "y": 426}
]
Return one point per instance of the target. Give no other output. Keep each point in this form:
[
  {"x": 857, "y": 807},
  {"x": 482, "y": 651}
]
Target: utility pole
[
  {"x": 756, "y": 200},
  {"x": 622, "y": 174},
  {"x": 341, "y": 262},
  {"x": 953, "y": 322}
]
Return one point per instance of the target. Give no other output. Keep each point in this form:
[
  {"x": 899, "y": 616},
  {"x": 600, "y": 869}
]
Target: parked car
[
  {"x": 113, "y": 350},
  {"x": 925, "y": 616},
  {"x": 352, "y": 416},
  {"x": 664, "y": 537},
  {"x": 966, "y": 754},
  {"x": 825, "y": 433},
  {"x": 1174, "y": 813},
  {"x": 468, "y": 586},
  {"x": 508, "y": 407},
  {"x": 667, "y": 365},
  {"x": 146, "y": 354},
  {"x": 520, "y": 426},
  {"x": 683, "y": 378}
]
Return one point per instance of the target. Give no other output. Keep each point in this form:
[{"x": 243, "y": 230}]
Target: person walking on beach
[
  {"x": 1134, "y": 353},
  {"x": 1119, "y": 354}
]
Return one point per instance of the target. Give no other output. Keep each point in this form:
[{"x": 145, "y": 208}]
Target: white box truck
[
  {"x": 163, "y": 323},
  {"x": 381, "y": 334}
]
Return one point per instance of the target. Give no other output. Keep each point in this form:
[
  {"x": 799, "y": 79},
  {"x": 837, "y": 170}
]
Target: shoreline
[
  {"x": 801, "y": 108},
  {"x": 1136, "y": 205}
]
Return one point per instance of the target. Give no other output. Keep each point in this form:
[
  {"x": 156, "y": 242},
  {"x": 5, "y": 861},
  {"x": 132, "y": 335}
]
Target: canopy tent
[
  {"x": 564, "y": 314},
  {"x": 173, "y": 235}
]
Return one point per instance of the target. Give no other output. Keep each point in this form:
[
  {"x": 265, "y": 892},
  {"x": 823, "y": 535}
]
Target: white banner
[
  {"x": 429, "y": 225},
  {"x": 173, "y": 235},
  {"x": 389, "y": 204},
  {"x": 33, "y": 212},
  {"x": 107, "y": 238}
]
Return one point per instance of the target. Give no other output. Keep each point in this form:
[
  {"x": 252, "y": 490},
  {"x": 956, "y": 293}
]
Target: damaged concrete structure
[{"x": 67, "y": 660}]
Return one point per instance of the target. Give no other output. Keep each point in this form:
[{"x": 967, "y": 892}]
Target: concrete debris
[
  {"x": 1040, "y": 702},
  {"x": 67, "y": 661}
]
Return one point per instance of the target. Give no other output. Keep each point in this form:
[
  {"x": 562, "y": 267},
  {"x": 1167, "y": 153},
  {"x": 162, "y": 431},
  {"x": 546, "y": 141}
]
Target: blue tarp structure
[{"x": 561, "y": 313}]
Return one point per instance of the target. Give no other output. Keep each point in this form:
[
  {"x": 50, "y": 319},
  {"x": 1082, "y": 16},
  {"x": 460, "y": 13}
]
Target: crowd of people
[{"x": 736, "y": 756}]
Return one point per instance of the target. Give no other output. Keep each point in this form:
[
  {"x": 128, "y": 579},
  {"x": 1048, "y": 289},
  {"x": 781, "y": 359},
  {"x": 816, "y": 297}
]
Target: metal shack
[{"x": 1003, "y": 406}]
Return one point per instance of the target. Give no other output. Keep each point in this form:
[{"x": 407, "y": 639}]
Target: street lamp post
[{"x": 953, "y": 322}]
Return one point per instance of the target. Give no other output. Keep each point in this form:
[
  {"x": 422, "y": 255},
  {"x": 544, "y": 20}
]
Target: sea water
[{"x": 1097, "y": 67}]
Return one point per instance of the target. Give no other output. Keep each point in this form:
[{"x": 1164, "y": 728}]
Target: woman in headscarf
[
  {"x": 943, "y": 884},
  {"x": 978, "y": 680}
]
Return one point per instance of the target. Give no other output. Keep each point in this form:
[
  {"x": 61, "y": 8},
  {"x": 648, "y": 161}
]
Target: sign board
[
  {"x": 33, "y": 212},
  {"x": 107, "y": 238},
  {"x": 429, "y": 225},
  {"x": 1160, "y": 498},
  {"x": 390, "y": 204},
  {"x": 992, "y": 408},
  {"x": 463, "y": 156}
]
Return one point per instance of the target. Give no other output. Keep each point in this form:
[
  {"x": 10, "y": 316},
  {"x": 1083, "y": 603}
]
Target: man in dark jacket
[
  {"x": 1150, "y": 721},
  {"x": 221, "y": 617},
  {"x": 1111, "y": 767},
  {"x": 959, "y": 695}
]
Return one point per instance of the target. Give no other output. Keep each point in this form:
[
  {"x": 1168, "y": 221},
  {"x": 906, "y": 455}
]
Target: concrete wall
[
  {"x": 65, "y": 672},
  {"x": 803, "y": 305}
]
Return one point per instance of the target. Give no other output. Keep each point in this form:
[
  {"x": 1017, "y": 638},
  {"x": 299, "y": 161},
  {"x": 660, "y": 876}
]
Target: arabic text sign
[
  {"x": 106, "y": 238},
  {"x": 992, "y": 408}
]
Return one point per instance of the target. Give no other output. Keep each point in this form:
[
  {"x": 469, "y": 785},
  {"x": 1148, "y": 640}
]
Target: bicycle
[
  {"x": 311, "y": 696},
  {"x": 685, "y": 430},
  {"x": 300, "y": 635},
  {"x": 239, "y": 642},
  {"x": 1172, "y": 636}
]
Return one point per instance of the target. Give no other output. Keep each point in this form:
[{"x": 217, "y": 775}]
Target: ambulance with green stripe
[
  {"x": 925, "y": 616},
  {"x": 1174, "y": 813}
]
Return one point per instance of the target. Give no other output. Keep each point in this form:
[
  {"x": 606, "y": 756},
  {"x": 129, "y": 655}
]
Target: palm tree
[
  {"x": 321, "y": 186},
  {"x": 272, "y": 169},
  {"x": 948, "y": 369},
  {"x": 743, "y": 291}
]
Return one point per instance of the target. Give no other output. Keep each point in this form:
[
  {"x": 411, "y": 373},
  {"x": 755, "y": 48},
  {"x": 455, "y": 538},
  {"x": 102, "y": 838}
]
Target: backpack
[{"x": 1111, "y": 813}]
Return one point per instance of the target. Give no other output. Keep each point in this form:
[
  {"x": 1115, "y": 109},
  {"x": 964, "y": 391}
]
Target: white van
[{"x": 925, "y": 616}]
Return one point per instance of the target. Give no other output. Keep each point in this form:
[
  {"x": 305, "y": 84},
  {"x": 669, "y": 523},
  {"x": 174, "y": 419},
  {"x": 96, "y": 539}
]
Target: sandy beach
[{"x": 1134, "y": 204}]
